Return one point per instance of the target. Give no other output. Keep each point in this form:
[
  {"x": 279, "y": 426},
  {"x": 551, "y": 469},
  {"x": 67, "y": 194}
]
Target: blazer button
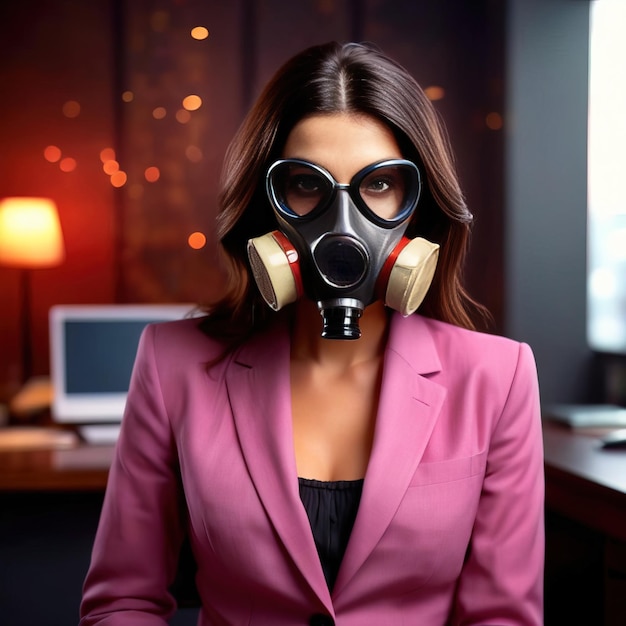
[{"x": 319, "y": 619}]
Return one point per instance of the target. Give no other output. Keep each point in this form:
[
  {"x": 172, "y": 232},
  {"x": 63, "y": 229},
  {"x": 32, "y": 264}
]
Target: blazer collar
[
  {"x": 408, "y": 409},
  {"x": 258, "y": 385}
]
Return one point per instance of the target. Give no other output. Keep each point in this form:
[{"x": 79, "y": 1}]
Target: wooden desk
[
  {"x": 83, "y": 468},
  {"x": 585, "y": 518},
  {"x": 585, "y": 530},
  {"x": 50, "y": 503},
  {"x": 585, "y": 482}
]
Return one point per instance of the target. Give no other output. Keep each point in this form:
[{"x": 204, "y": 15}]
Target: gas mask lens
[{"x": 385, "y": 192}]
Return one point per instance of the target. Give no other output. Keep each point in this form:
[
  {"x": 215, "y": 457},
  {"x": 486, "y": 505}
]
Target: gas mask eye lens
[
  {"x": 385, "y": 192},
  {"x": 303, "y": 192},
  {"x": 390, "y": 190},
  {"x": 299, "y": 188}
]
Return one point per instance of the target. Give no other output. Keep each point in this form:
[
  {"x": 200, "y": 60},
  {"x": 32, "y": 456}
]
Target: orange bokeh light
[
  {"x": 159, "y": 113},
  {"x": 196, "y": 240},
  {"x": 110, "y": 167},
  {"x": 152, "y": 174},
  {"x": 119, "y": 179},
  {"x": 199, "y": 32},
  {"x": 67, "y": 164},
  {"x": 192, "y": 102},
  {"x": 52, "y": 154},
  {"x": 128, "y": 96},
  {"x": 183, "y": 116},
  {"x": 435, "y": 92},
  {"x": 107, "y": 154}
]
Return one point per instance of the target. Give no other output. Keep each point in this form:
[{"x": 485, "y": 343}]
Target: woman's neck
[{"x": 308, "y": 344}]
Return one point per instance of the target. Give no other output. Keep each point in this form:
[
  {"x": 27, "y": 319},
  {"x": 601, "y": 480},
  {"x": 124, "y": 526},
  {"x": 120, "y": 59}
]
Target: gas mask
[{"x": 343, "y": 245}]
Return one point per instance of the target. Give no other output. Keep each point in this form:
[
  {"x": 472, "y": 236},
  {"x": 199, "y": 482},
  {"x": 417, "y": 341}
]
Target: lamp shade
[{"x": 30, "y": 233}]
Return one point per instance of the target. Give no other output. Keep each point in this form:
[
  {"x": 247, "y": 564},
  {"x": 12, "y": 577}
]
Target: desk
[
  {"x": 50, "y": 503},
  {"x": 584, "y": 481},
  {"x": 585, "y": 529},
  {"x": 585, "y": 519},
  {"x": 81, "y": 468}
]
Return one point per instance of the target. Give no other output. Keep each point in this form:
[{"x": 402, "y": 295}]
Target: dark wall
[{"x": 546, "y": 191}]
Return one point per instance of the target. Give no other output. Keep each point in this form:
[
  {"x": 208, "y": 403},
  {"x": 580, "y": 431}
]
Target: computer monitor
[{"x": 92, "y": 352}]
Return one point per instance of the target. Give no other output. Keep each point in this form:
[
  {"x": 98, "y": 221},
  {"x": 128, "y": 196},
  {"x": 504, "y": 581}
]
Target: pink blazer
[{"x": 450, "y": 525}]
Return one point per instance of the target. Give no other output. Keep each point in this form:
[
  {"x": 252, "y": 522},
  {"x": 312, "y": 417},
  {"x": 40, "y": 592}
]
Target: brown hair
[{"x": 329, "y": 78}]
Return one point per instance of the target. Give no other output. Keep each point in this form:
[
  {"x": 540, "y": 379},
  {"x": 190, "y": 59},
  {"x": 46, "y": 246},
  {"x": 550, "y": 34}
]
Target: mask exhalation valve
[{"x": 341, "y": 318}]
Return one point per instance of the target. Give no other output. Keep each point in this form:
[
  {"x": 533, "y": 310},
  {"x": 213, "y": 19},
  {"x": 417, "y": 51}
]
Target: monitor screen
[{"x": 92, "y": 351}]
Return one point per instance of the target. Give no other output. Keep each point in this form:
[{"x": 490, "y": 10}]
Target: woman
[{"x": 341, "y": 459}]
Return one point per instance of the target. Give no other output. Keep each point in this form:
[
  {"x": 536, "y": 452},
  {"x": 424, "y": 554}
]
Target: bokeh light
[
  {"x": 107, "y": 154},
  {"x": 435, "y": 92},
  {"x": 52, "y": 154},
  {"x": 118, "y": 179},
  {"x": 128, "y": 96},
  {"x": 159, "y": 113},
  {"x": 183, "y": 116},
  {"x": 152, "y": 174},
  {"x": 192, "y": 102},
  {"x": 67, "y": 164},
  {"x": 110, "y": 167},
  {"x": 196, "y": 240},
  {"x": 199, "y": 32}
]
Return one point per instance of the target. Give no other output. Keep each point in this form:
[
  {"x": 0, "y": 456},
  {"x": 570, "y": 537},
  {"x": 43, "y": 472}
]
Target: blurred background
[{"x": 120, "y": 111}]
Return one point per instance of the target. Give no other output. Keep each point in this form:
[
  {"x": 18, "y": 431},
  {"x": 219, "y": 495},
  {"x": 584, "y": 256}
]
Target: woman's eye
[
  {"x": 384, "y": 191},
  {"x": 303, "y": 190},
  {"x": 379, "y": 185},
  {"x": 305, "y": 184}
]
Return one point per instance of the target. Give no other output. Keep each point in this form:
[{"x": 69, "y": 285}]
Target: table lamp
[{"x": 30, "y": 238}]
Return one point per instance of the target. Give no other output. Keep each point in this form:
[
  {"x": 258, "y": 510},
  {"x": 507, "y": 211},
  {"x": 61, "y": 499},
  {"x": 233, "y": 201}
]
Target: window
[{"x": 606, "y": 289}]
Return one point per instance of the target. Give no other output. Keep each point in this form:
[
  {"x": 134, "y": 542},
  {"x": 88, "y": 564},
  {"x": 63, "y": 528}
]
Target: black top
[{"x": 331, "y": 508}]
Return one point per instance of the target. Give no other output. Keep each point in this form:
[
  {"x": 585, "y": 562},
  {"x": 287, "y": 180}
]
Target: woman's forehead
[{"x": 342, "y": 143}]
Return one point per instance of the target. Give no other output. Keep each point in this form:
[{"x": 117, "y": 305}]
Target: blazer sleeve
[
  {"x": 138, "y": 540},
  {"x": 502, "y": 579}
]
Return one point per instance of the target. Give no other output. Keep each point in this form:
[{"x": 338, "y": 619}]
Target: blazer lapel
[
  {"x": 258, "y": 383},
  {"x": 408, "y": 409}
]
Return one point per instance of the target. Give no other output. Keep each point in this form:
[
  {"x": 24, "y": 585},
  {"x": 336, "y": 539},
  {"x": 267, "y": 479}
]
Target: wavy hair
[{"x": 331, "y": 78}]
